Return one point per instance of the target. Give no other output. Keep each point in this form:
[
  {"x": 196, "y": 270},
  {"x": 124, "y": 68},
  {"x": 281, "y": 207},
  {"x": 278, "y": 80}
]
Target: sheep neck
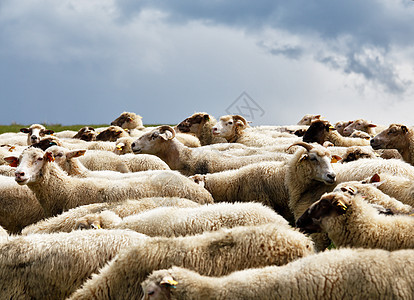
[
  {"x": 50, "y": 189},
  {"x": 76, "y": 168},
  {"x": 407, "y": 152},
  {"x": 205, "y": 132},
  {"x": 175, "y": 155}
]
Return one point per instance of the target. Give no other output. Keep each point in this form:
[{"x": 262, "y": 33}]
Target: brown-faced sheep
[{"x": 350, "y": 221}]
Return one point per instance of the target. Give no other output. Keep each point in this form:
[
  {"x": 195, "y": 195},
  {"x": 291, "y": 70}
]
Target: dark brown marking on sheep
[{"x": 317, "y": 131}]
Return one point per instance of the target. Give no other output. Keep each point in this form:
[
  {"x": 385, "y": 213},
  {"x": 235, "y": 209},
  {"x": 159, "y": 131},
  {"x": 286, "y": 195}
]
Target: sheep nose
[
  {"x": 133, "y": 145},
  {"x": 19, "y": 174},
  {"x": 331, "y": 176},
  {"x": 33, "y": 137}
]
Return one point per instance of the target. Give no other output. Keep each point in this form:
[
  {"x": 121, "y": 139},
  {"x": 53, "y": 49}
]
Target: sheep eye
[
  {"x": 230, "y": 123},
  {"x": 312, "y": 158},
  {"x": 40, "y": 159},
  {"x": 150, "y": 293}
]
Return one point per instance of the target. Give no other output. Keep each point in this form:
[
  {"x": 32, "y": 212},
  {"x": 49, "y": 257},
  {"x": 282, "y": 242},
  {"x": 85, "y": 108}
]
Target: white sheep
[
  {"x": 260, "y": 182},
  {"x": 190, "y": 161},
  {"x": 179, "y": 221},
  {"x": 66, "y": 221},
  {"x": 201, "y": 124},
  {"x": 18, "y": 206},
  {"x": 350, "y": 221},
  {"x": 399, "y": 187},
  {"x": 211, "y": 253},
  {"x": 129, "y": 120},
  {"x": 233, "y": 129},
  {"x": 56, "y": 191},
  {"x": 335, "y": 274},
  {"x": 360, "y": 125},
  {"x": 123, "y": 145},
  {"x": 35, "y": 132},
  {"x": 69, "y": 162},
  {"x": 369, "y": 189},
  {"x": 53, "y": 266},
  {"x": 341, "y": 125}
]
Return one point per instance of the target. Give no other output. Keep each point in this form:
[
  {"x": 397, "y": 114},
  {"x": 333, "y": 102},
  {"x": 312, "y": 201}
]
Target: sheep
[
  {"x": 46, "y": 142},
  {"x": 178, "y": 221},
  {"x": 307, "y": 119},
  {"x": 260, "y": 182},
  {"x": 86, "y": 133},
  {"x": 357, "y": 152},
  {"x": 335, "y": 274},
  {"x": 341, "y": 125},
  {"x": 368, "y": 189},
  {"x": 53, "y": 266},
  {"x": 360, "y": 134},
  {"x": 18, "y": 206},
  {"x": 56, "y": 191},
  {"x": 361, "y": 125},
  {"x": 123, "y": 145},
  {"x": 399, "y": 137},
  {"x": 35, "y": 132},
  {"x": 201, "y": 124},
  {"x": 350, "y": 221},
  {"x": 399, "y": 187},
  {"x": 6, "y": 170},
  {"x": 321, "y": 131},
  {"x": 14, "y": 139},
  {"x": 66, "y": 221},
  {"x": 211, "y": 253},
  {"x": 67, "y": 160},
  {"x": 111, "y": 134},
  {"x": 129, "y": 120},
  {"x": 190, "y": 161},
  {"x": 232, "y": 128},
  {"x": 65, "y": 134}
]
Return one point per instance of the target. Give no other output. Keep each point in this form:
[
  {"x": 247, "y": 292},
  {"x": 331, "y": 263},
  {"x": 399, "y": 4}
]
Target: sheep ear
[
  {"x": 49, "y": 157},
  {"x": 12, "y": 161},
  {"x": 168, "y": 281},
  {"x": 24, "y": 130},
  {"x": 75, "y": 153},
  {"x": 96, "y": 225},
  {"x": 349, "y": 190},
  {"x": 404, "y": 129},
  {"x": 206, "y": 117},
  {"x": 372, "y": 125},
  {"x": 375, "y": 178},
  {"x": 166, "y": 135},
  {"x": 335, "y": 159}
]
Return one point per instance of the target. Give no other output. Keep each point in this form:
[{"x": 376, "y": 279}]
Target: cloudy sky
[{"x": 85, "y": 62}]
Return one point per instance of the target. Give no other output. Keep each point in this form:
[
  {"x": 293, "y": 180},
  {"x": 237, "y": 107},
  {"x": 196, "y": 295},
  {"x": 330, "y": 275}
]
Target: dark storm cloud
[{"x": 370, "y": 23}]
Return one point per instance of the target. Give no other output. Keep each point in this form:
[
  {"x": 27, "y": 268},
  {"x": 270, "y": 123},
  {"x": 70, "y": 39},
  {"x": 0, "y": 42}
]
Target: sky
[{"x": 273, "y": 61}]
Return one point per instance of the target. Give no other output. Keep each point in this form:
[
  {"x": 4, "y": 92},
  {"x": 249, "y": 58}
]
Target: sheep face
[
  {"x": 360, "y": 124},
  {"x": 392, "y": 138},
  {"x": 194, "y": 123},
  {"x": 128, "y": 120},
  {"x": 158, "y": 286},
  {"x": 154, "y": 141},
  {"x": 123, "y": 146},
  {"x": 86, "y": 134},
  {"x": 62, "y": 156},
  {"x": 317, "y": 132},
  {"x": 330, "y": 205},
  {"x": 340, "y": 126},
  {"x": 111, "y": 134},
  {"x": 322, "y": 166},
  {"x": 35, "y": 132},
  {"x": 308, "y": 119},
  {"x": 29, "y": 164},
  {"x": 227, "y": 126}
]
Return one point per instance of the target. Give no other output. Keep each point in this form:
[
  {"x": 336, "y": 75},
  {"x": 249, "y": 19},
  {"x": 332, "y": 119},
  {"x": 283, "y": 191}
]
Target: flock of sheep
[{"x": 208, "y": 209}]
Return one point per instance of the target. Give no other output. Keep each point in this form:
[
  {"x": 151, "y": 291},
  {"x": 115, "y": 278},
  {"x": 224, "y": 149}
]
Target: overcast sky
[{"x": 87, "y": 61}]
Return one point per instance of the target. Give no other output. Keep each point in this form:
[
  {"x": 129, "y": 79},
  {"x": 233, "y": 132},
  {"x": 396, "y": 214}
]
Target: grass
[{"x": 55, "y": 127}]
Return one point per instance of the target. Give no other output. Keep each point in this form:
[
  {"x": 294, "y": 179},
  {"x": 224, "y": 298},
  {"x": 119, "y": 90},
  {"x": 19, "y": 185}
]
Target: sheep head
[
  {"x": 308, "y": 119},
  {"x": 329, "y": 205},
  {"x": 194, "y": 123},
  {"x": 317, "y": 132},
  {"x": 394, "y": 137},
  {"x": 230, "y": 127},
  {"x": 153, "y": 142},
  {"x": 35, "y": 132},
  {"x": 128, "y": 120}
]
